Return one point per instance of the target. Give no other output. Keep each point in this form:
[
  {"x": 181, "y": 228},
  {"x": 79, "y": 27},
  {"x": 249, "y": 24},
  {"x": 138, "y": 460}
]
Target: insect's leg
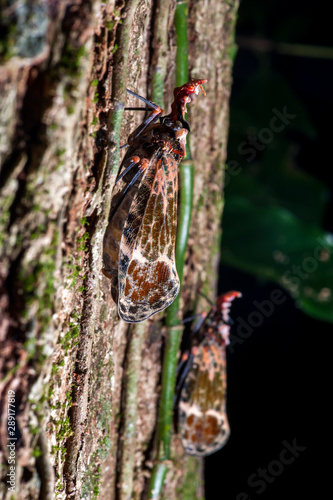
[
  {"x": 134, "y": 161},
  {"x": 210, "y": 302},
  {"x": 184, "y": 359},
  {"x": 149, "y": 103},
  {"x": 187, "y": 357},
  {"x": 187, "y": 361},
  {"x": 200, "y": 322},
  {"x": 136, "y": 109},
  {"x": 142, "y": 167},
  {"x": 152, "y": 118},
  {"x": 133, "y": 109},
  {"x": 191, "y": 318}
]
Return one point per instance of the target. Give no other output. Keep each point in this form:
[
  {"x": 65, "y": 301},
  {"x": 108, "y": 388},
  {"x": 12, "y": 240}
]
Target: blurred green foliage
[{"x": 273, "y": 216}]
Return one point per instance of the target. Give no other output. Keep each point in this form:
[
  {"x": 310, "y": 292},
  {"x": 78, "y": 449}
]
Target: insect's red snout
[{"x": 196, "y": 85}]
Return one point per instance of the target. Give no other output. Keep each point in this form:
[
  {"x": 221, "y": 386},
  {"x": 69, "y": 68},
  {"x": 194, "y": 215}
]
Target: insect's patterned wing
[
  {"x": 203, "y": 421},
  {"x": 148, "y": 280},
  {"x": 120, "y": 207}
]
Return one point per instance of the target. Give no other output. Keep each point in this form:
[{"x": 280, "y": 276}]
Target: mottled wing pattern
[
  {"x": 203, "y": 421},
  {"x": 147, "y": 276},
  {"x": 119, "y": 209}
]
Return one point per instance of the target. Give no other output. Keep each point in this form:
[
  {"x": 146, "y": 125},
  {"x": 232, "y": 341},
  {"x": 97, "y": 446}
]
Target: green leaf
[
  {"x": 278, "y": 181},
  {"x": 272, "y": 243}
]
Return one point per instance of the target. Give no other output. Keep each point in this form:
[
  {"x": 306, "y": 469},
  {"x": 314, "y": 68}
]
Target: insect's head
[
  {"x": 174, "y": 125},
  {"x": 182, "y": 98},
  {"x": 223, "y": 303}
]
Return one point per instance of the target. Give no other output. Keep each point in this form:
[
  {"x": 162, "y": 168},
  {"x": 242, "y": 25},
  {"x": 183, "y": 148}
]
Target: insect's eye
[
  {"x": 168, "y": 122},
  {"x": 178, "y": 125}
]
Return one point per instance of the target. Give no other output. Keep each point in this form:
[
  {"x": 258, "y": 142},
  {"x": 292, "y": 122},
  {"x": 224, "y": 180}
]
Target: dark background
[{"x": 279, "y": 377}]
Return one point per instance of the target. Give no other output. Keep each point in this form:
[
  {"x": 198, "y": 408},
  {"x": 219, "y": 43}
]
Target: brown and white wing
[
  {"x": 203, "y": 422},
  {"x": 147, "y": 276}
]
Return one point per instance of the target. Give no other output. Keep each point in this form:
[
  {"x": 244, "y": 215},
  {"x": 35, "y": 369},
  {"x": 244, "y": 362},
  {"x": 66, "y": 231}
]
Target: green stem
[
  {"x": 175, "y": 329},
  {"x": 186, "y": 180},
  {"x": 182, "y": 42},
  {"x": 157, "y": 480}
]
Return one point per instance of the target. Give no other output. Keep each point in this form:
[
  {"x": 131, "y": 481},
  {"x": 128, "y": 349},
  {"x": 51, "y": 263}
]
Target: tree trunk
[{"x": 79, "y": 376}]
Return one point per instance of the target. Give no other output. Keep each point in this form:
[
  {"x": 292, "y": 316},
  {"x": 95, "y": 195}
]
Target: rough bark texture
[{"x": 64, "y": 352}]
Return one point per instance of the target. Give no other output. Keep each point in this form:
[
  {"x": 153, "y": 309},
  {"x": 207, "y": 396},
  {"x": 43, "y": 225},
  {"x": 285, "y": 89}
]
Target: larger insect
[
  {"x": 202, "y": 418},
  {"x": 139, "y": 243}
]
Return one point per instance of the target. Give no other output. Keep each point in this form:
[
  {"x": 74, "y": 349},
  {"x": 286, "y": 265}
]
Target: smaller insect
[{"x": 202, "y": 420}]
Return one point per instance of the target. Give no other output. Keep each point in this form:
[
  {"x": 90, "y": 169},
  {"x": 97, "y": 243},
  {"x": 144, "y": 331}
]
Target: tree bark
[{"x": 79, "y": 375}]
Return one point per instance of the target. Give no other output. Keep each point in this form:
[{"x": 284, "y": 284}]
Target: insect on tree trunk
[{"x": 83, "y": 386}]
